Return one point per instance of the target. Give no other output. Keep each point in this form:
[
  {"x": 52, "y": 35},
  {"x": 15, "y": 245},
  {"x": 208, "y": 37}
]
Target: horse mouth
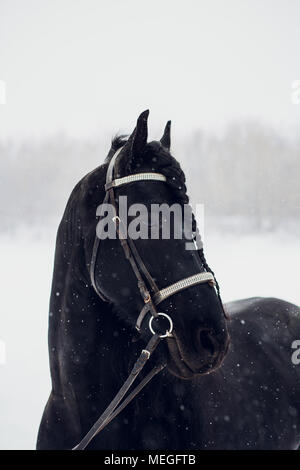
[{"x": 178, "y": 365}]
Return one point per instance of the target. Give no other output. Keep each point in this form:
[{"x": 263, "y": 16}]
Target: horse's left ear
[{"x": 166, "y": 138}]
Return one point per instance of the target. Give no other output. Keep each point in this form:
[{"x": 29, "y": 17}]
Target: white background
[{"x": 80, "y": 71}]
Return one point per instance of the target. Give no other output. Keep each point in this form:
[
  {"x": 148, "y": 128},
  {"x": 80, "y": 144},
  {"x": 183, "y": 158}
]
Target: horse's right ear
[
  {"x": 141, "y": 133},
  {"x": 138, "y": 139},
  {"x": 135, "y": 145}
]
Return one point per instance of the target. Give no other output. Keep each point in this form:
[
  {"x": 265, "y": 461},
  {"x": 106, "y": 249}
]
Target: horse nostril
[{"x": 206, "y": 341}]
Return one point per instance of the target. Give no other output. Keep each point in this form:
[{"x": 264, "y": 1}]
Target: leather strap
[
  {"x": 163, "y": 294},
  {"x": 104, "y": 419},
  {"x": 94, "y": 259},
  {"x": 132, "y": 395},
  {"x": 135, "y": 177},
  {"x": 129, "y": 255}
]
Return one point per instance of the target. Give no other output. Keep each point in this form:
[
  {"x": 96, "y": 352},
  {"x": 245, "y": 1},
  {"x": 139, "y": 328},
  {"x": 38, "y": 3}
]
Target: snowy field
[{"x": 252, "y": 265}]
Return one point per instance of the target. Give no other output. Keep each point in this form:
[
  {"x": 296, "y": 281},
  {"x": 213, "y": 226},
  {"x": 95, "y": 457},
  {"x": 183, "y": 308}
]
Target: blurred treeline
[{"x": 248, "y": 178}]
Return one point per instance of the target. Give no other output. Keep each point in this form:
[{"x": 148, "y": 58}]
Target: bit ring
[{"x": 168, "y": 332}]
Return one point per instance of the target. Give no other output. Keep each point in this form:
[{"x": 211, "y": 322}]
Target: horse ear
[
  {"x": 166, "y": 138},
  {"x": 136, "y": 142},
  {"x": 138, "y": 139}
]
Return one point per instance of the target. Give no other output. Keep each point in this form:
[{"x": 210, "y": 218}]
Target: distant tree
[{"x": 249, "y": 175}]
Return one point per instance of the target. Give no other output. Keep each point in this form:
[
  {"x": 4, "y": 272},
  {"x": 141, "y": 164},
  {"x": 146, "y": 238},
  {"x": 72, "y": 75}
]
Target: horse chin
[
  {"x": 180, "y": 370},
  {"x": 176, "y": 364},
  {"x": 179, "y": 367}
]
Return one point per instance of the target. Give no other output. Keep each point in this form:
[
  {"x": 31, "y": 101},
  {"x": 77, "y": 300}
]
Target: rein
[
  {"x": 113, "y": 409},
  {"x": 151, "y": 300}
]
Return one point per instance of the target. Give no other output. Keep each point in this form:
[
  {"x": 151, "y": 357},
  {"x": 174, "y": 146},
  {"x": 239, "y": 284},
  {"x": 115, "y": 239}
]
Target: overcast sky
[{"x": 88, "y": 67}]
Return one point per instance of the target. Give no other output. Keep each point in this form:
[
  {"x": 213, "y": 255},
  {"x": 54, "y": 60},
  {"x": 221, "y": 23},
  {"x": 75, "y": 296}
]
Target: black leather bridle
[{"x": 152, "y": 296}]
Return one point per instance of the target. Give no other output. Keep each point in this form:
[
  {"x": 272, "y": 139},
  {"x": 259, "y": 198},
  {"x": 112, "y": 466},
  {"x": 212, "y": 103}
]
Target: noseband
[{"x": 152, "y": 296}]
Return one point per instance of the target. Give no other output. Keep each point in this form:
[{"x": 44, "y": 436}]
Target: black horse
[{"x": 210, "y": 396}]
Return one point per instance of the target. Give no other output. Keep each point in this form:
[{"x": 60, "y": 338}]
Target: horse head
[{"x": 199, "y": 338}]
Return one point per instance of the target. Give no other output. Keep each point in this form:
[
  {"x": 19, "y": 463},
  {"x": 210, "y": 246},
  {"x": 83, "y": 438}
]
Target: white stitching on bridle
[
  {"x": 183, "y": 284},
  {"x": 163, "y": 294},
  {"x": 136, "y": 177}
]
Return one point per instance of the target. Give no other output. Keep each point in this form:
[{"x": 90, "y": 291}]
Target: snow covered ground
[{"x": 245, "y": 266}]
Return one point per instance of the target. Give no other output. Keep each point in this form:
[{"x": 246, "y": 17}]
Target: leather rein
[{"x": 151, "y": 300}]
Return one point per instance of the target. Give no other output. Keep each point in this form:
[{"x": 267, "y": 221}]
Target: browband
[{"x": 135, "y": 177}]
